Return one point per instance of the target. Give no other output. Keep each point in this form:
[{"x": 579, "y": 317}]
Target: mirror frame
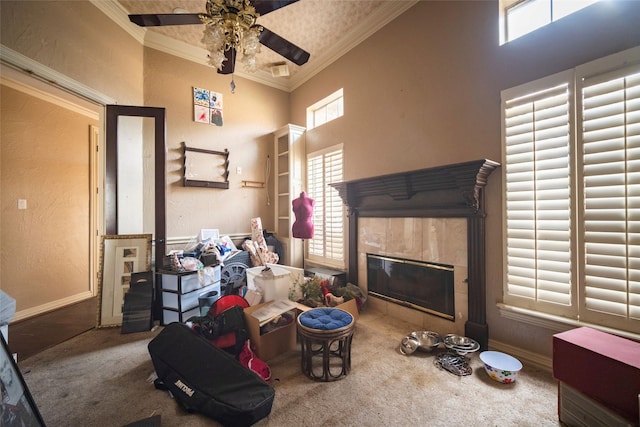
[{"x": 120, "y": 255}]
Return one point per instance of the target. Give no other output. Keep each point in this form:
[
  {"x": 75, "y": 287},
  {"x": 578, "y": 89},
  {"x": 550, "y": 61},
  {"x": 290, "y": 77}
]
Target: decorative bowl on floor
[
  {"x": 409, "y": 344},
  {"x": 460, "y": 345},
  {"x": 419, "y": 340},
  {"x": 500, "y": 366},
  {"x": 428, "y": 340}
]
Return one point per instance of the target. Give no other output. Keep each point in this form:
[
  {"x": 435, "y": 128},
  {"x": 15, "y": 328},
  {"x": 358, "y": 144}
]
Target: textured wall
[
  {"x": 44, "y": 249},
  {"x": 250, "y": 116},
  {"x": 79, "y": 41},
  {"x": 425, "y": 91}
]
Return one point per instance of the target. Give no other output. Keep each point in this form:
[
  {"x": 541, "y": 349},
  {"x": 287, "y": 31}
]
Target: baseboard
[
  {"x": 53, "y": 305},
  {"x": 524, "y": 356}
]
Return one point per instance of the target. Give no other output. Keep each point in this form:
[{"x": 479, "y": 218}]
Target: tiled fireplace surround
[
  {"x": 435, "y": 215},
  {"x": 439, "y": 240}
]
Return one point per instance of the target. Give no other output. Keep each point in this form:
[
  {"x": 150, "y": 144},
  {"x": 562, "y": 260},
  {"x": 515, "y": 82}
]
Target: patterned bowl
[{"x": 500, "y": 366}]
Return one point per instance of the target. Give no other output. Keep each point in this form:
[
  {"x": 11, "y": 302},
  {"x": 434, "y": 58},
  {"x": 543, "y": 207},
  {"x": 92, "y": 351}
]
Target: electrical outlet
[
  {"x": 239, "y": 170},
  {"x": 22, "y": 204}
]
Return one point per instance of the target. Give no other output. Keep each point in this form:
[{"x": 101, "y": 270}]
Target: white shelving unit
[{"x": 289, "y": 166}]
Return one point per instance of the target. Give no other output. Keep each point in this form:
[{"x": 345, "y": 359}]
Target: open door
[{"x": 134, "y": 199}]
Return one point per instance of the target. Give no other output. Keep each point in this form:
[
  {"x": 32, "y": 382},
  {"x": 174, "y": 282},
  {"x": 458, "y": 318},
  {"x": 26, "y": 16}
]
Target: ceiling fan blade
[
  {"x": 161, "y": 19},
  {"x": 283, "y": 47},
  {"x": 265, "y": 6},
  {"x": 229, "y": 65}
]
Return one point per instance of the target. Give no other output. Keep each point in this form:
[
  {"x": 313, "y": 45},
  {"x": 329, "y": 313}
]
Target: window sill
[{"x": 553, "y": 322}]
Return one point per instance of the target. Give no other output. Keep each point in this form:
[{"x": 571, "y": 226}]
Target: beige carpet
[{"x": 100, "y": 378}]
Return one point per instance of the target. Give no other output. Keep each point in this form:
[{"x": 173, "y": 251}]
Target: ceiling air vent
[{"x": 280, "y": 70}]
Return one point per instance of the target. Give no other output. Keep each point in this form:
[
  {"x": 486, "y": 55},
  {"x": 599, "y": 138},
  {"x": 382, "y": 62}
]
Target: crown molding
[
  {"x": 386, "y": 13},
  {"x": 198, "y": 55},
  {"x": 118, "y": 14},
  {"x": 47, "y": 96},
  {"x": 18, "y": 61}
]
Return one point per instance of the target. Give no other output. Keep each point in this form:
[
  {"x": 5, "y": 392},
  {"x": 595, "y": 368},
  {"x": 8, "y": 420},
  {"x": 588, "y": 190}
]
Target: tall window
[
  {"x": 323, "y": 168},
  {"x": 571, "y": 174},
  {"x": 325, "y": 110},
  {"x": 525, "y": 16}
]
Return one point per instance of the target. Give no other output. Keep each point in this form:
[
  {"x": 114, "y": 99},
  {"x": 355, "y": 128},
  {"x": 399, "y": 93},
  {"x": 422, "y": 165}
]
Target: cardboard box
[
  {"x": 602, "y": 366},
  {"x": 281, "y": 340},
  {"x": 273, "y": 343},
  {"x": 578, "y": 409}
]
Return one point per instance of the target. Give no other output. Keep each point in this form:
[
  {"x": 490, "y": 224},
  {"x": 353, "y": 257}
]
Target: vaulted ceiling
[{"x": 327, "y": 29}]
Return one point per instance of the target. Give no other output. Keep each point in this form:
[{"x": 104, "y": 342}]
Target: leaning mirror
[{"x": 120, "y": 256}]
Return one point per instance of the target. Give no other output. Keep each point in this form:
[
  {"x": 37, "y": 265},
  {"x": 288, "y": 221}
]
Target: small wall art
[{"x": 207, "y": 106}]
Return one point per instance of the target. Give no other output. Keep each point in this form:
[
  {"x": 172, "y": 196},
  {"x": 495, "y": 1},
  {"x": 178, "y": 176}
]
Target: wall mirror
[{"x": 135, "y": 171}]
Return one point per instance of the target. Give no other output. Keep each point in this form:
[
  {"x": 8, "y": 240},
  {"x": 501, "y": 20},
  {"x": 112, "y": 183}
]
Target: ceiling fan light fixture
[
  {"x": 230, "y": 24},
  {"x": 250, "y": 48},
  {"x": 230, "y": 29},
  {"x": 214, "y": 40}
]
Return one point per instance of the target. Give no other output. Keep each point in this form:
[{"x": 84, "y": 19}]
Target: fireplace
[
  {"x": 423, "y": 286},
  {"x": 450, "y": 192}
]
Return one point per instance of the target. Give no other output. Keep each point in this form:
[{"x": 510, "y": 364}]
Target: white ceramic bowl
[{"x": 500, "y": 366}]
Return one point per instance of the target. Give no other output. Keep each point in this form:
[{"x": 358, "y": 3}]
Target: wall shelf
[{"x": 193, "y": 166}]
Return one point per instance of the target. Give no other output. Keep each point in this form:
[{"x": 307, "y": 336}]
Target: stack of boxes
[{"x": 599, "y": 376}]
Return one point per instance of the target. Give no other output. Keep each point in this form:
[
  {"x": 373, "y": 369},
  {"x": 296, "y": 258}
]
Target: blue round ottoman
[{"x": 325, "y": 339}]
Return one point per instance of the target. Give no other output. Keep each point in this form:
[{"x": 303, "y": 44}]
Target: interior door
[{"x": 134, "y": 199}]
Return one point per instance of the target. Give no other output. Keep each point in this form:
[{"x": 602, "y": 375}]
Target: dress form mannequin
[{"x": 303, "y": 209}]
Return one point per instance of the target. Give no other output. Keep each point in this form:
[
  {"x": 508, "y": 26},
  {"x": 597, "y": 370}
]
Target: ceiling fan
[{"x": 231, "y": 26}]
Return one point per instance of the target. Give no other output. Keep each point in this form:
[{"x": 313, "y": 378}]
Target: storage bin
[
  {"x": 187, "y": 301},
  {"x": 273, "y": 284}
]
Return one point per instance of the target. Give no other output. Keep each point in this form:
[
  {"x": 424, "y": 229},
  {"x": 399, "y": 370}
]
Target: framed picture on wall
[
  {"x": 17, "y": 407},
  {"x": 120, "y": 256}
]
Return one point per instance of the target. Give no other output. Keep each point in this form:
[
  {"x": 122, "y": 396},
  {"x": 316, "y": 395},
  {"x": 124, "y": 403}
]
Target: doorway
[{"x": 49, "y": 225}]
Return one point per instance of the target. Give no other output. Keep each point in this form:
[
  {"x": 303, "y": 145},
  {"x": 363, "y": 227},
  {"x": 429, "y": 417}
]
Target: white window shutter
[
  {"x": 327, "y": 244},
  {"x": 538, "y": 199},
  {"x": 611, "y": 197}
]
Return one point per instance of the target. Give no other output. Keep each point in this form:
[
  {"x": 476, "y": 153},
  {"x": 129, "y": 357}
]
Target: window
[
  {"x": 325, "y": 110},
  {"x": 571, "y": 156},
  {"x": 327, "y": 245},
  {"x": 525, "y": 16}
]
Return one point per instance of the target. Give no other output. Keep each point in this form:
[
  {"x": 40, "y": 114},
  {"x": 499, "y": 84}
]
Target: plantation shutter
[
  {"x": 538, "y": 199},
  {"x": 611, "y": 192},
  {"x": 334, "y": 218},
  {"x": 327, "y": 244},
  {"x": 315, "y": 183}
]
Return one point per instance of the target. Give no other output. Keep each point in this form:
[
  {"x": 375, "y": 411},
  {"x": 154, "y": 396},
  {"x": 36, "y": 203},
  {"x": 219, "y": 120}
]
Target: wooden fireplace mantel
[{"x": 448, "y": 191}]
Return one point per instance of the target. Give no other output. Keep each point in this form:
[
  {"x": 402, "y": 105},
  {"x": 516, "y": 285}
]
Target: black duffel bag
[{"x": 206, "y": 379}]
